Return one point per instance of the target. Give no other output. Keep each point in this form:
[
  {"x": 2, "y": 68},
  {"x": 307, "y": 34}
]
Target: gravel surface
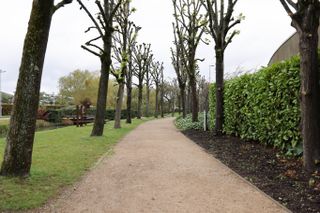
[{"x": 155, "y": 168}]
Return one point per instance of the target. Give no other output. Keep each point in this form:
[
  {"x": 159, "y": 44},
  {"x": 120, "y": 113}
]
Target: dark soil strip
[{"x": 281, "y": 178}]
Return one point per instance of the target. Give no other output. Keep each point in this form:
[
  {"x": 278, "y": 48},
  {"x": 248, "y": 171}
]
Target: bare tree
[
  {"x": 170, "y": 94},
  {"x": 305, "y": 19},
  {"x": 156, "y": 73},
  {"x": 20, "y": 138},
  {"x": 162, "y": 87},
  {"x": 148, "y": 83},
  {"x": 179, "y": 62},
  {"x": 188, "y": 16},
  {"x": 141, "y": 55},
  {"x": 221, "y": 21},
  {"x": 123, "y": 39},
  {"x": 132, "y": 42},
  {"x": 103, "y": 24}
]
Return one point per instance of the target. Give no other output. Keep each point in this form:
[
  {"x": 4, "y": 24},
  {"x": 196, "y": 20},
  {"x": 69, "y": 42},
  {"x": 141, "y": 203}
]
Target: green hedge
[
  {"x": 55, "y": 116},
  {"x": 264, "y": 106}
]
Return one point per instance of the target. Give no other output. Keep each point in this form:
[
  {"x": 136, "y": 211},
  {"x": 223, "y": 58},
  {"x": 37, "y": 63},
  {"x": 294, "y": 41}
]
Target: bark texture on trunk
[
  {"x": 98, "y": 125},
  {"x": 129, "y": 89},
  {"x": 105, "y": 59},
  {"x": 117, "y": 119},
  {"x": 219, "y": 91},
  {"x": 310, "y": 96},
  {"x": 195, "y": 105},
  {"x": 147, "y": 101},
  {"x": 129, "y": 101},
  {"x": 156, "y": 112},
  {"x": 99, "y": 121},
  {"x": 183, "y": 101},
  {"x": 140, "y": 88},
  {"x": 173, "y": 109},
  {"x": 188, "y": 100},
  {"x": 19, "y": 143},
  {"x": 162, "y": 101}
]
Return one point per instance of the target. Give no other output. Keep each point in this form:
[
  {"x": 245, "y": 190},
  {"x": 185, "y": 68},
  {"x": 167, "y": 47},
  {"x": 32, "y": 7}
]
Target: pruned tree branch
[
  {"x": 90, "y": 51},
  {"x": 91, "y": 17},
  {"x": 61, "y": 4}
]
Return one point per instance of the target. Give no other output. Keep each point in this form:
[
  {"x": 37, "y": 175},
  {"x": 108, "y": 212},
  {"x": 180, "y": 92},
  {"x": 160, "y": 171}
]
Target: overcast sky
[{"x": 266, "y": 26}]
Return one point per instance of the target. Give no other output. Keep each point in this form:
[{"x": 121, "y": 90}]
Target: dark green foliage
[{"x": 264, "y": 106}]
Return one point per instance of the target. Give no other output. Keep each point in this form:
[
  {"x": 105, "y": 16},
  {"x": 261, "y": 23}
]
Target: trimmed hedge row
[
  {"x": 264, "y": 106},
  {"x": 56, "y": 116}
]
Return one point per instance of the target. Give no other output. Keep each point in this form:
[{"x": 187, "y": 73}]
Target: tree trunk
[
  {"x": 193, "y": 85},
  {"x": 19, "y": 146},
  {"x": 188, "y": 100},
  {"x": 162, "y": 101},
  {"x": 310, "y": 95},
  {"x": 147, "y": 100},
  {"x": 129, "y": 89},
  {"x": 156, "y": 113},
  {"x": 183, "y": 101},
  {"x": 129, "y": 102},
  {"x": 99, "y": 120},
  {"x": 117, "y": 119},
  {"x": 219, "y": 91},
  {"x": 179, "y": 104},
  {"x": 173, "y": 109},
  {"x": 140, "y": 88}
]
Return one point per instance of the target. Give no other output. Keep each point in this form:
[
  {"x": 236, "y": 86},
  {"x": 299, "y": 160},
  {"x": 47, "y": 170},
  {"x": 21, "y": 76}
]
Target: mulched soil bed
[{"x": 281, "y": 178}]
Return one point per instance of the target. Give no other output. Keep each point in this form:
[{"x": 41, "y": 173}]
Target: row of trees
[
  {"x": 193, "y": 18},
  {"x": 115, "y": 38}
]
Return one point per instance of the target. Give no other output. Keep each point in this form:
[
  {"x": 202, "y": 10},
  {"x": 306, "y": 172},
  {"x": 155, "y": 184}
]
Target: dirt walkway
[{"x": 157, "y": 169}]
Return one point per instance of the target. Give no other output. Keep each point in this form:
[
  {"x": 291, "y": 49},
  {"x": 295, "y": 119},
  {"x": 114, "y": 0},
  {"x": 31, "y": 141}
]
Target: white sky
[{"x": 261, "y": 34}]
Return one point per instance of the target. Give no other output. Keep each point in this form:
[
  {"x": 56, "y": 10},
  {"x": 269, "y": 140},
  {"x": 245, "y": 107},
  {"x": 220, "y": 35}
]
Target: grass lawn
[
  {"x": 60, "y": 158},
  {"x": 4, "y": 121}
]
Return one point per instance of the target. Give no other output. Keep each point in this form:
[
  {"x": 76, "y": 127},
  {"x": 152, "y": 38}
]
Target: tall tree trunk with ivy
[{"x": 19, "y": 143}]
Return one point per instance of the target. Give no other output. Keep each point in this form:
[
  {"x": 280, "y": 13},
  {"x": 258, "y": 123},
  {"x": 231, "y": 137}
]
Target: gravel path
[{"x": 157, "y": 169}]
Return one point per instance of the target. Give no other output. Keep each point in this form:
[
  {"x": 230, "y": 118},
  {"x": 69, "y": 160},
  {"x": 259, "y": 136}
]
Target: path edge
[{"x": 235, "y": 173}]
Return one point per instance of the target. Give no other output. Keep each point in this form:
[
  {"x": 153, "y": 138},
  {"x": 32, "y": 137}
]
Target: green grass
[
  {"x": 4, "y": 122},
  {"x": 60, "y": 158}
]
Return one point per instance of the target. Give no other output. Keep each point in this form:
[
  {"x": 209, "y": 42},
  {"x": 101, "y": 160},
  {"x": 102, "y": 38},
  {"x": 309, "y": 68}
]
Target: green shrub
[
  {"x": 186, "y": 123},
  {"x": 110, "y": 113},
  {"x": 264, "y": 106}
]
